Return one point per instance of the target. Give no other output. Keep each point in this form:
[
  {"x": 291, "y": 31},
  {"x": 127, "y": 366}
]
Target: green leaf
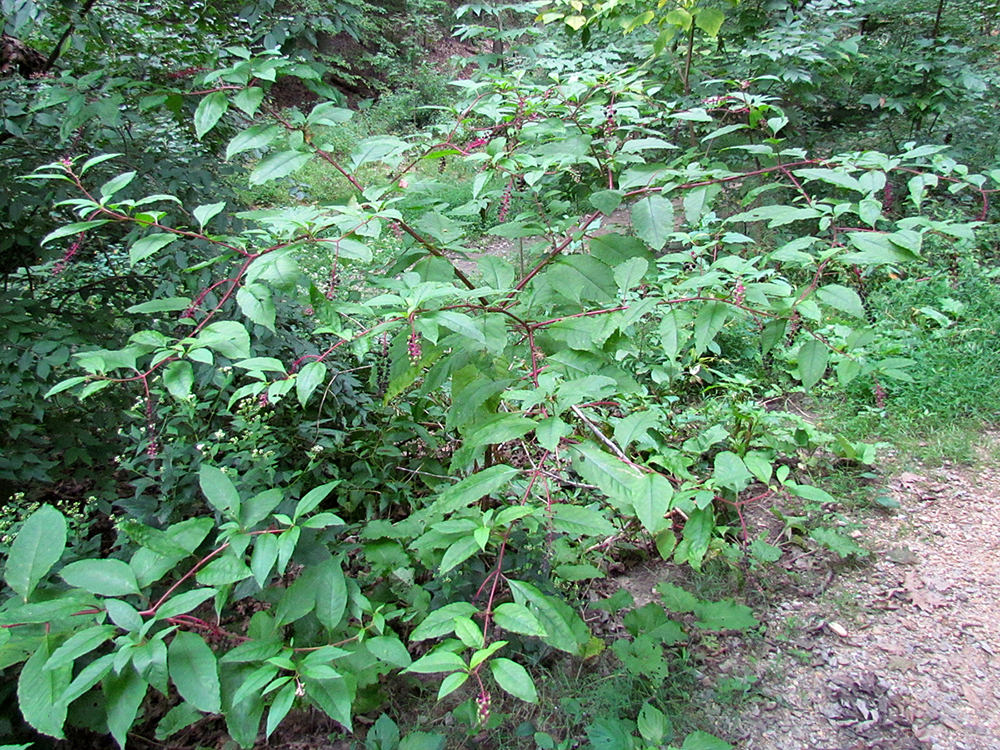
[
  {"x": 441, "y": 621},
  {"x": 77, "y": 228},
  {"x": 123, "y": 695},
  {"x": 334, "y": 697},
  {"x": 115, "y": 185},
  {"x": 89, "y": 676},
  {"x": 149, "y": 245},
  {"x": 515, "y": 679},
  {"x": 224, "y": 571},
  {"x": 179, "y": 377},
  {"x": 564, "y": 628},
  {"x": 328, "y": 113},
  {"x": 725, "y": 615},
  {"x": 265, "y": 554},
  {"x": 653, "y": 725},
  {"x": 249, "y": 99},
  {"x": 711, "y": 319},
  {"x": 210, "y": 110},
  {"x": 279, "y": 708},
  {"x": 194, "y": 671},
  {"x": 458, "y": 553},
  {"x": 606, "y": 201},
  {"x": 461, "y": 324},
  {"x": 79, "y": 644},
  {"x": 260, "y": 506},
  {"x": 331, "y": 594},
  {"x": 616, "y": 479},
  {"x": 38, "y": 546},
  {"x": 704, "y": 741},
  {"x": 810, "y": 492},
  {"x": 451, "y": 683},
  {"x": 731, "y": 472},
  {"x": 179, "y": 717},
  {"x": 422, "y": 741},
  {"x": 255, "y": 137},
  {"x": 308, "y": 379},
  {"x": 813, "y": 357},
  {"x": 437, "y": 661},
  {"x": 697, "y": 536},
  {"x": 219, "y": 490},
  {"x": 473, "y": 488},
  {"x": 390, "y": 650},
  {"x": 710, "y": 20},
  {"x": 124, "y": 615},
  {"x": 39, "y": 691},
  {"x": 385, "y": 148},
  {"x": 651, "y": 498},
  {"x": 256, "y": 303},
  {"x": 107, "y": 577},
  {"x": 578, "y": 521},
  {"x": 653, "y": 219},
  {"x": 205, "y": 213},
  {"x": 517, "y": 618},
  {"x": 279, "y": 165},
  {"x": 630, "y": 274},
  {"x": 842, "y": 298},
  {"x": 183, "y": 603}
]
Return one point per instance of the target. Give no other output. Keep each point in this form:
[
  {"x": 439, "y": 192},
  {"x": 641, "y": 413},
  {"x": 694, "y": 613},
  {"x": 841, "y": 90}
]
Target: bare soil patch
[{"x": 902, "y": 653}]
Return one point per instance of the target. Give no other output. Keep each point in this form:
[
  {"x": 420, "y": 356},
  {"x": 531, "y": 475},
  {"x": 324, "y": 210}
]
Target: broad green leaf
[
  {"x": 328, "y": 113},
  {"x": 115, "y": 185},
  {"x": 124, "y": 615},
  {"x": 631, "y": 273},
  {"x": 710, "y": 20},
  {"x": 810, "y": 492},
  {"x": 473, "y": 488},
  {"x": 725, "y": 615},
  {"x": 223, "y": 571},
  {"x": 831, "y": 177},
  {"x": 263, "y": 364},
  {"x": 468, "y": 632},
  {"x": 578, "y": 521},
  {"x": 616, "y": 479},
  {"x": 437, "y": 661},
  {"x": 460, "y": 323},
  {"x": 331, "y": 594},
  {"x": 423, "y": 741},
  {"x": 37, "y": 547},
  {"x": 183, "y": 603},
  {"x": 79, "y": 644},
  {"x": 451, "y": 683},
  {"x": 651, "y": 498},
  {"x": 458, "y": 553},
  {"x": 263, "y": 558},
  {"x": 842, "y": 298},
  {"x": 515, "y": 679},
  {"x": 334, "y": 697},
  {"x": 89, "y": 676},
  {"x": 517, "y": 618},
  {"x": 653, "y": 219},
  {"x": 697, "y": 536},
  {"x": 813, "y": 357},
  {"x": 123, "y": 695},
  {"x": 311, "y": 500},
  {"x": 390, "y": 650},
  {"x": 704, "y": 741},
  {"x": 179, "y": 377},
  {"x": 171, "y": 304},
  {"x": 107, "y": 577},
  {"x": 179, "y": 717},
  {"x": 606, "y": 201},
  {"x": 39, "y": 692},
  {"x": 711, "y": 319},
  {"x": 77, "y": 228},
  {"x": 280, "y": 707},
  {"x": 219, "y": 490},
  {"x": 385, "y": 148},
  {"x": 653, "y": 725},
  {"x": 205, "y": 213},
  {"x": 730, "y": 472},
  {"x": 582, "y": 277},
  {"x": 635, "y": 427},
  {"x": 441, "y": 621},
  {"x": 564, "y": 628},
  {"x": 260, "y": 506},
  {"x": 249, "y": 99},
  {"x": 255, "y": 137},
  {"x": 256, "y": 303},
  {"x": 308, "y": 379},
  {"x": 194, "y": 671},
  {"x": 149, "y": 245},
  {"x": 210, "y": 110},
  {"x": 279, "y": 165}
]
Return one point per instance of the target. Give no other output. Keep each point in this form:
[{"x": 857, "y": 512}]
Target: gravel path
[{"x": 903, "y": 654}]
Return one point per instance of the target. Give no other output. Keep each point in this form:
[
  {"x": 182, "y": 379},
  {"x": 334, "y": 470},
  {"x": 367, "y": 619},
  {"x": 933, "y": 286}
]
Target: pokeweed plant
[{"x": 572, "y": 370}]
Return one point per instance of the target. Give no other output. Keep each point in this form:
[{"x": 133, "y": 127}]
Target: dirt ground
[{"x": 902, "y": 653}]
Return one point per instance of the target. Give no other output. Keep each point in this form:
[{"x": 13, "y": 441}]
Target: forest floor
[{"x": 901, "y": 652}]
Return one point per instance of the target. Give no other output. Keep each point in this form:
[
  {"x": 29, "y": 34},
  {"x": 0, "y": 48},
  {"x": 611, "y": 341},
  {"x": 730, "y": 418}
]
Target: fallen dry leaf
[{"x": 837, "y": 628}]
